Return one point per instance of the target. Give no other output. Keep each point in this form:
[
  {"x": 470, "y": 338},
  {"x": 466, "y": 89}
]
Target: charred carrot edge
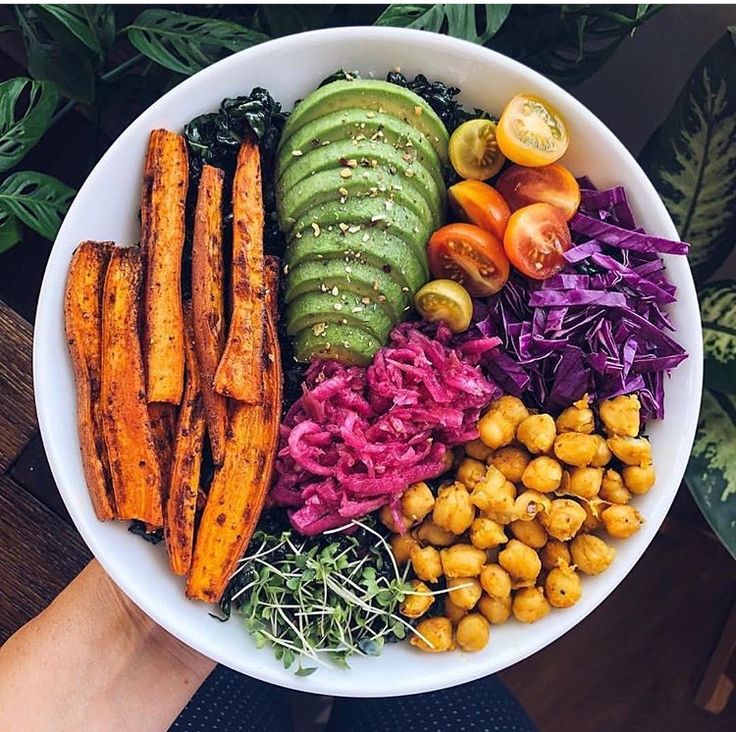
[
  {"x": 131, "y": 450},
  {"x": 163, "y": 424},
  {"x": 83, "y": 324},
  {"x": 239, "y": 373},
  {"x": 208, "y": 302},
  {"x": 239, "y": 489},
  {"x": 185, "y": 472},
  {"x": 165, "y": 181}
]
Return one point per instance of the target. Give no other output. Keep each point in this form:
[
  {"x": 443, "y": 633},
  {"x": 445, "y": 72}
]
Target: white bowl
[{"x": 107, "y": 207}]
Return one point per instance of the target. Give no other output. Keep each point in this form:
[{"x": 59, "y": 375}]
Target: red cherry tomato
[
  {"x": 469, "y": 255},
  {"x": 479, "y": 204},
  {"x": 553, "y": 184},
  {"x": 535, "y": 240}
]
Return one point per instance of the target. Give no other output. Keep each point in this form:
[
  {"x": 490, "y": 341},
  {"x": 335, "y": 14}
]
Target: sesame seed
[
  {"x": 297, "y": 153},
  {"x": 405, "y": 289},
  {"x": 357, "y": 309},
  {"x": 409, "y": 173},
  {"x": 286, "y": 269},
  {"x": 343, "y": 227},
  {"x": 290, "y": 220},
  {"x": 376, "y": 286},
  {"x": 325, "y": 143},
  {"x": 378, "y": 217},
  {"x": 323, "y": 287},
  {"x": 366, "y": 237},
  {"x": 337, "y": 306},
  {"x": 315, "y": 228},
  {"x": 354, "y": 228},
  {"x": 343, "y": 191},
  {"x": 370, "y": 115},
  {"x": 366, "y": 301},
  {"x": 346, "y": 173},
  {"x": 335, "y": 291},
  {"x": 298, "y": 234}
]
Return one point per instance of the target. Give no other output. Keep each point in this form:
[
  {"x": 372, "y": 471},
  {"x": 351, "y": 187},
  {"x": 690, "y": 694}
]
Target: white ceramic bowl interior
[{"x": 107, "y": 207}]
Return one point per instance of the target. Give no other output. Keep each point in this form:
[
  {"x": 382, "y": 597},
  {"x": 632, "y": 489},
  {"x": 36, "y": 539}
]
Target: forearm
[{"x": 92, "y": 660}]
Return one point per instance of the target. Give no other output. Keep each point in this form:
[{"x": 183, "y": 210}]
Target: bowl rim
[{"x": 137, "y": 592}]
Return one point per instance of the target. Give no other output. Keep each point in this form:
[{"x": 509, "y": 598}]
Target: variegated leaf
[
  {"x": 691, "y": 160},
  {"x": 711, "y": 472},
  {"x": 718, "y": 313}
]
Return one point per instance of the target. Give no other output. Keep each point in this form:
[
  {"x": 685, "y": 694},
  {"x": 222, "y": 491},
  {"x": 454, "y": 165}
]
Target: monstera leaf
[
  {"x": 718, "y": 313},
  {"x": 691, "y": 159},
  {"x": 711, "y": 472}
]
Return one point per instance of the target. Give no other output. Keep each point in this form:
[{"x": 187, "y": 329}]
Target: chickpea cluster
[{"x": 512, "y": 534}]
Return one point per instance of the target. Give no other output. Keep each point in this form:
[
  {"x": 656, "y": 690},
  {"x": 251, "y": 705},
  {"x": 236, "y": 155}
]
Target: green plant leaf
[
  {"x": 10, "y": 232},
  {"x": 718, "y": 313},
  {"x": 186, "y": 43},
  {"x": 26, "y": 108},
  {"x": 691, "y": 160},
  {"x": 91, "y": 25},
  {"x": 39, "y": 201},
  {"x": 711, "y": 472},
  {"x": 475, "y": 23},
  {"x": 68, "y": 67}
]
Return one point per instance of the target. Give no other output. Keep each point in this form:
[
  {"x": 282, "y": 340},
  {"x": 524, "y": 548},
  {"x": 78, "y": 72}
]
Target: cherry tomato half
[
  {"x": 531, "y": 132},
  {"x": 480, "y": 204},
  {"x": 473, "y": 150},
  {"x": 535, "y": 240},
  {"x": 469, "y": 255},
  {"x": 549, "y": 184},
  {"x": 447, "y": 301}
]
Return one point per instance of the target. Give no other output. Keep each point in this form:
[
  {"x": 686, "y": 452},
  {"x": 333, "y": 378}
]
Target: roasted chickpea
[
  {"x": 585, "y": 482},
  {"x": 562, "y": 587},
  {"x": 512, "y": 408},
  {"x": 472, "y": 632},
  {"x": 386, "y": 517},
  {"x": 464, "y": 591},
  {"x": 511, "y": 461},
  {"x": 590, "y": 554},
  {"x": 537, "y": 433},
  {"x": 529, "y": 605},
  {"x": 575, "y": 448},
  {"x": 520, "y": 561},
  {"x": 613, "y": 489},
  {"x": 620, "y": 415},
  {"x": 531, "y": 503},
  {"x": 495, "y": 610},
  {"x": 554, "y": 554},
  {"x": 593, "y": 510},
  {"x": 485, "y": 533},
  {"x": 436, "y": 635},
  {"x": 478, "y": 450},
  {"x": 426, "y": 563},
  {"x": 631, "y": 450},
  {"x": 417, "y": 501},
  {"x": 452, "y": 611},
  {"x": 639, "y": 480},
  {"x": 401, "y": 546},
  {"x": 495, "y": 430},
  {"x": 430, "y": 533},
  {"x": 492, "y": 492},
  {"x": 414, "y": 606},
  {"x": 452, "y": 508},
  {"x": 495, "y": 580},
  {"x": 603, "y": 454},
  {"x": 576, "y": 419},
  {"x": 470, "y": 471},
  {"x": 531, "y": 533},
  {"x": 542, "y": 474},
  {"x": 462, "y": 560},
  {"x": 564, "y": 519},
  {"x": 621, "y": 521}
]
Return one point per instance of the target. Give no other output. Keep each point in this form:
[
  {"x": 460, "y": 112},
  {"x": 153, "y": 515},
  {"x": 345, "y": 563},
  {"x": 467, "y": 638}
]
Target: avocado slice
[
  {"x": 372, "y": 246},
  {"x": 371, "y": 95},
  {"x": 359, "y": 216},
  {"x": 346, "y": 308},
  {"x": 395, "y": 191},
  {"x": 367, "y": 154},
  {"x": 348, "y": 344},
  {"x": 339, "y": 274},
  {"x": 351, "y": 124}
]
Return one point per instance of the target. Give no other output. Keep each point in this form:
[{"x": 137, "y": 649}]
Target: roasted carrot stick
[
  {"x": 239, "y": 488},
  {"x": 83, "y": 322},
  {"x": 185, "y": 472},
  {"x": 165, "y": 181},
  {"x": 208, "y": 302},
  {"x": 136, "y": 474},
  {"x": 239, "y": 373}
]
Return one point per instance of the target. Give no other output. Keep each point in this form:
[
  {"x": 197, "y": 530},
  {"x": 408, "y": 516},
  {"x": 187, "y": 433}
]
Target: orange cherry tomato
[
  {"x": 535, "y": 240},
  {"x": 531, "y": 132},
  {"x": 469, "y": 255},
  {"x": 480, "y": 204},
  {"x": 553, "y": 184}
]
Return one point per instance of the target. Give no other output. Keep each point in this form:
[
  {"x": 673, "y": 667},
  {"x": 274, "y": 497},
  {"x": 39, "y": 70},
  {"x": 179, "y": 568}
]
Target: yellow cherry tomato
[
  {"x": 446, "y": 301},
  {"x": 473, "y": 150},
  {"x": 531, "y": 132}
]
